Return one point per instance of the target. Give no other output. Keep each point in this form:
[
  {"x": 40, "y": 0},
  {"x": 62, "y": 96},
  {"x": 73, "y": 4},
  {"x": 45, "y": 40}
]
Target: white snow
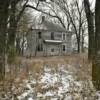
[
  {"x": 30, "y": 98},
  {"x": 64, "y": 81},
  {"x": 49, "y": 93},
  {"x": 56, "y": 85}
]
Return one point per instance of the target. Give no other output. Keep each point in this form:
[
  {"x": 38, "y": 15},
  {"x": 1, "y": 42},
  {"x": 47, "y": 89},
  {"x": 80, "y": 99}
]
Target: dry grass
[{"x": 77, "y": 64}]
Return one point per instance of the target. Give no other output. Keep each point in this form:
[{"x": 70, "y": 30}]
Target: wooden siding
[{"x": 48, "y": 48}]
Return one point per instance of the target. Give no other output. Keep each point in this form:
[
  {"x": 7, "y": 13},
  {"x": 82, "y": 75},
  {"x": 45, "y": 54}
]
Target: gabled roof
[
  {"x": 47, "y": 25},
  {"x": 53, "y": 27}
]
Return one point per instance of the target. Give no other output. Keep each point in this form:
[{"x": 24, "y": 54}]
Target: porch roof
[{"x": 53, "y": 41}]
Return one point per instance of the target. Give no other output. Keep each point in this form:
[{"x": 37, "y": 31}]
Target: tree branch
[
  {"x": 47, "y": 14},
  {"x": 21, "y": 12}
]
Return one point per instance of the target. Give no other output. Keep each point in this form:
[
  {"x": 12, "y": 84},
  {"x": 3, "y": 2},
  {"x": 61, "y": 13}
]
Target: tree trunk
[
  {"x": 12, "y": 33},
  {"x": 13, "y": 26},
  {"x": 82, "y": 43},
  {"x": 96, "y": 62},
  {"x": 3, "y": 33},
  {"x": 78, "y": 45},
  {"x": 91, "y": 35}
]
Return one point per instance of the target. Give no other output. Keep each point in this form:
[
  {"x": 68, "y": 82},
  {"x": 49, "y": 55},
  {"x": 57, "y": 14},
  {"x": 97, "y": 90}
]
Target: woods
[
  {"x": 8, "y": 26},
  {"x": 19, "y": 18}
]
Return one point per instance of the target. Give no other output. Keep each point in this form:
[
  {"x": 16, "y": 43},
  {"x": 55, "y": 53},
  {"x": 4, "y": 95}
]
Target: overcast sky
[{"x": 92, "y": 2}]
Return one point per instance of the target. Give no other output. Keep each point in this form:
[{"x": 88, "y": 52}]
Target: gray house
[{"x": 48, "y": 39}]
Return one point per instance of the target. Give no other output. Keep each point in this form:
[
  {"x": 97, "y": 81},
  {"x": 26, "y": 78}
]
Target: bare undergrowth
[{"x": 50, "y": 76}]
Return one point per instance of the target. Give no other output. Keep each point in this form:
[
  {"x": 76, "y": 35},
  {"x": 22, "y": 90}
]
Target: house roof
[
  {"x": 50, "y": 26},
  {"x": 53, "y": 27}
]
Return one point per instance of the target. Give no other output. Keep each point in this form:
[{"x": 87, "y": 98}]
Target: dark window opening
[
  {"x": 52, "y": 50},
  {"x": 43, "y": 18},
  {"x": 64, "y": 48},
  {"x": 40, "y": 47},
  {"x": 39, "y": 35},
  {"x": 52, "y": 35}
]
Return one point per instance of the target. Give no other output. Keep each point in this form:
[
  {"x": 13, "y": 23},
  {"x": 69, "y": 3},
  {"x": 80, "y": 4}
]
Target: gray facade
[
  {"x": 45, "y": 43},
  {"x": 47, "y": 40}
]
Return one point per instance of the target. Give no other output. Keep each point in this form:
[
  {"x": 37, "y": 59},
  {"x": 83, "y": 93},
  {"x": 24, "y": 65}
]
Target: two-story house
[{"x": 48, "y": 39}]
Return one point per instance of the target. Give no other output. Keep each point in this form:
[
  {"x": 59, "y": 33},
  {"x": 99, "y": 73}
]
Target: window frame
[
  {"x": 63, "y": 47},
  {"x": 52, "y": 35},
  {"x": 39, "y": 35},
  {"x": 40, "y": 47}
]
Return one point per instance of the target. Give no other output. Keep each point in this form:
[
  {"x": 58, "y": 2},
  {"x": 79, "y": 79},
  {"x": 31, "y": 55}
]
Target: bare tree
[
  {"x": 9, "y": 21},
  {"x": 22, "y": 31}
]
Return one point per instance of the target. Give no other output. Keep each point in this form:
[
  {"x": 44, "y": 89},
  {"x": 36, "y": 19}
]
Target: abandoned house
[{"x": 48, "y": 39}]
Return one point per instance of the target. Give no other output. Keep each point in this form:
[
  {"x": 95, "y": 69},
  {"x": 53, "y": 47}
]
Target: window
[
  {"x": 39, "y": 35},
  {"x": 52, "y": 35},
  {"x": 64, "y": 47},
  {"x": 52, "y": 50},
  {"x": 40, "y": 47},
  {"x": 43, "y": 19},
  {"x": 64, "y": 37}
]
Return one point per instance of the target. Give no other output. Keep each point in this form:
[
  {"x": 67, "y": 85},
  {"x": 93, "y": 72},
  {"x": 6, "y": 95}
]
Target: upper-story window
[
  {"x": 52, "y": 35},
  {"x": 39, "y": 35},
  {"x": 64, "y": 36},
  {"x": 52, "y": 50}
]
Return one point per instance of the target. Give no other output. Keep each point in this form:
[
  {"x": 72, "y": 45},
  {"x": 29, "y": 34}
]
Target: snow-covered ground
[{"x": 59, "y": 84}]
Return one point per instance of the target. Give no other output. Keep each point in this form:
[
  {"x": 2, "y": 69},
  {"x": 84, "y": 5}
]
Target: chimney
[{"x": 43, "y": 19}]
